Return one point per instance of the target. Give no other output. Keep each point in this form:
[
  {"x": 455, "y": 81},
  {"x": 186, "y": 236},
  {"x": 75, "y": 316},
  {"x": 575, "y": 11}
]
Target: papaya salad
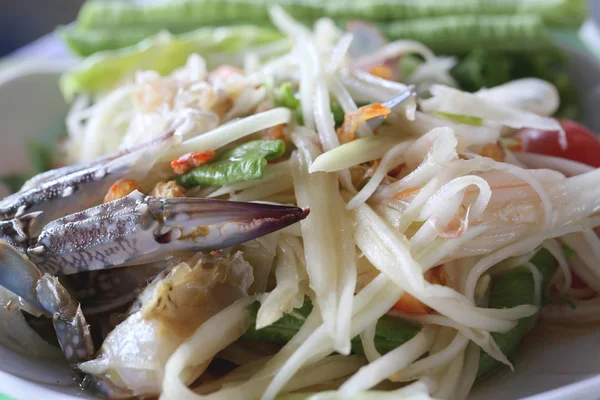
[{"x": 282, "y": 231}]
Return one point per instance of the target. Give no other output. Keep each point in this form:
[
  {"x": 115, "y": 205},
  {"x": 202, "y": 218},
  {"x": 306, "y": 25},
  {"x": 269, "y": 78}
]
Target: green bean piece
[
  {"x": 460, "y": 34},
  {"x": 563, "y": 13},
  {"x": 510, "y": 289},
  {"x": 171, "y": 14},
  {"x": 391, "y": 10},
  {"x": 101, "y": 14},
  {"x": 390, "y": 332}
]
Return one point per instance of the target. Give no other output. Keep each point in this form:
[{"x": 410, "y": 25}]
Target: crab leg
[
  {"x": 18, "y": 274},
  {"x": 138, "y": 229},
  {"x": 72, "y": 331},
  {"x": 75, "y": 188},
  {"x": 70, "y": 169},
  {"x": 45, "y": 293}
]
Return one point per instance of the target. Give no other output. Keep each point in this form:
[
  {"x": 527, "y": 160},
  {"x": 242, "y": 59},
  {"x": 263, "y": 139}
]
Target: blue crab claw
[
  {"x": 74, "y": 188},
  {"x": 138, "y": 229}
]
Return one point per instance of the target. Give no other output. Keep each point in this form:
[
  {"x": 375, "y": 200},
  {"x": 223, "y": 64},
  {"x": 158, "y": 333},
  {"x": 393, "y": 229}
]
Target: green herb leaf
[
  {"x": 243, "y": 163},
  {"x": 461, "y": 119},
  {"x": 481, "y": 68}
]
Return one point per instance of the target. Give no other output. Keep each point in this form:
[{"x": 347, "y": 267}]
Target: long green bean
[
  {"x": 169, "y": 14},
  {"x": 509, "y": 289},
  {"x": 460, "y": 34},
  {"x": 390, "y": 332}
]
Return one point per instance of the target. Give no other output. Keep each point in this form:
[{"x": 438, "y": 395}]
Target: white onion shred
[{"x": 446, "y": 99}]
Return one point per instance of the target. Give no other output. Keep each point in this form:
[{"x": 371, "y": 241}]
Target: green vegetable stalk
[
  {"x": 245, "y": 162},
  {"x": 509, "y": 289}
]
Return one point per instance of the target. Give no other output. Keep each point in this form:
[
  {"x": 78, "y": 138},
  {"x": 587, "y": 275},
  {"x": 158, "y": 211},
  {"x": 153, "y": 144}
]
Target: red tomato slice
[
  {"x": 577, "y": 282},
  {"x": 584, "y": 145}
]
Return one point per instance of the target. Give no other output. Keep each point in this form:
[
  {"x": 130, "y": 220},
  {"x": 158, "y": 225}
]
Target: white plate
[{"x": 549, "y": 366}]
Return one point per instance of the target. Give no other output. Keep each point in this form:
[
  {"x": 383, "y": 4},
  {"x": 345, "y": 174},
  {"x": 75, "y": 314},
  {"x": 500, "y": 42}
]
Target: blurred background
[{"x": 23, "y": 21}]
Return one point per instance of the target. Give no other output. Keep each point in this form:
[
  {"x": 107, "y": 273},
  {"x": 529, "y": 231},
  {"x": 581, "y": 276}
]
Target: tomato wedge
[{"x": 583, "y": 145}]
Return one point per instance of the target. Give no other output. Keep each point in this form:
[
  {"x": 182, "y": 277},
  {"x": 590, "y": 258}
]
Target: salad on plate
[{"x": 288, "y": 209}]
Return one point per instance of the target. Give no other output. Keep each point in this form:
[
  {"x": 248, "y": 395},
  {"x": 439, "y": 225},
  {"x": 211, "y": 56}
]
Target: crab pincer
[{"x": 139, "y": 229}]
